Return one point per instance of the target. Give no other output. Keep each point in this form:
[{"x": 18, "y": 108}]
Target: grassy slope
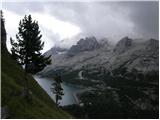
[{"x": 12, "y": 86}]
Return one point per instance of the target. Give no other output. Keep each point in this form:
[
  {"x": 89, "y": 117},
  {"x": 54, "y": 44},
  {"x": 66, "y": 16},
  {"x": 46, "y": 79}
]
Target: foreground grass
[{"x": 12, "y": 84}]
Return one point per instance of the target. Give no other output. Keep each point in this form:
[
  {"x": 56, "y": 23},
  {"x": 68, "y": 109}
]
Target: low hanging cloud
[
  {"x": 63, "y": 23},
  {"x": 52, "y": 30}
]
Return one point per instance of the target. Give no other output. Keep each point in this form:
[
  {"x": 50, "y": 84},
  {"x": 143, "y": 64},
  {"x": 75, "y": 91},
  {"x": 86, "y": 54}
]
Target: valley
[
  {"x": 80, "y": 60},
  {"x": 124, "y": 76}
]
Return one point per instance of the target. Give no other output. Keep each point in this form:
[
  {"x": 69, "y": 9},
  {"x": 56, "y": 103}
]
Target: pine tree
[
  {"x": 27, "y": 48},
  {"x": 14, "y": 49},
  {"x": 57, "y": 88}
]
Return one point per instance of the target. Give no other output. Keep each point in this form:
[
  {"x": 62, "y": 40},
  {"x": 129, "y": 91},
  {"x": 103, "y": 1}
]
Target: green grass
[{"x": 12, "y": 84}]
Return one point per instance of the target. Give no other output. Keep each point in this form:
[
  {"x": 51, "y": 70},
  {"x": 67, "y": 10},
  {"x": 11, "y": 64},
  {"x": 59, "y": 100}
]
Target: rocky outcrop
[
  {"x": 142, "y": 55},
  {"x": 87, "y": 44},
  {"x": 152, "y": 44},
  {"x": 123, "y": 45}
]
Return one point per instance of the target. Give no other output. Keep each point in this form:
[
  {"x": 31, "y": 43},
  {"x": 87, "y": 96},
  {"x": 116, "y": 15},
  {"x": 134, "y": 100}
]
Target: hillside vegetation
[{"x": 13, "y": 102}]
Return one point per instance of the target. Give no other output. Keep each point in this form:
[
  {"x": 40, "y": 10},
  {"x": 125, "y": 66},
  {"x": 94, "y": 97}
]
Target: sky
[{"x": 64, "y": 23}]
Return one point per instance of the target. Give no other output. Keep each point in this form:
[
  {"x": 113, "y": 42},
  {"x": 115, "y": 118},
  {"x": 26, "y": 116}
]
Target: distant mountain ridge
[
  {"x": 55, "y": 50},
  {"x": 133, "y": 54},
  {"x": 123, "y": 45},
  {"x": 87, "y": 44},
  {"x": 128, "y": 70}
]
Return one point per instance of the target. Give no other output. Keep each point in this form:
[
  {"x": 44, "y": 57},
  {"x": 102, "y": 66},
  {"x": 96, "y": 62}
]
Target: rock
[
  {"x": 123, "y": 45},
  {"x": 88, "y": 44},
  {"x": 142, "y": 55}
]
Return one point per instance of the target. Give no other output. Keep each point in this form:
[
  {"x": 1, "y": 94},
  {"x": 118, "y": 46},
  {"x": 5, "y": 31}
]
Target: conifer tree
[
  {"x": 14, "y": 49},
  {"x": 27, "y": 48},
  {"x": 57, "y": 88}
]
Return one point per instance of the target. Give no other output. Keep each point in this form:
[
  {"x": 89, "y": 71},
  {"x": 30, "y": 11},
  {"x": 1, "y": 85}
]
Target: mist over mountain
[
  {"x": 67, "y": 20},
  {"x": 123, "y": 45},
  {"x": 131, "y": 53},
  {"x": 104, "y": 59},
  {"x": 55, "y": 50},
  {"x": 87, "y": 44}
]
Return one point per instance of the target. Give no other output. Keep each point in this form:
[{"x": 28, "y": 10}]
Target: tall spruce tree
[
  {"x": 57, "y": 88},
  {"x": 14, "y": 49},
  {"x": 27, "y": 48}
]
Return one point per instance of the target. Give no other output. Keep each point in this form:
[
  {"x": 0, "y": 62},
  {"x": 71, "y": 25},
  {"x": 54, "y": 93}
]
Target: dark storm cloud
[
  {"x": 101, "y": 19},
  {"x": 95, "y": 18},
  {"x": 21, "y": 7},
  {"x": 106, "y": 18},
  {"x": 146, "y": 17}
]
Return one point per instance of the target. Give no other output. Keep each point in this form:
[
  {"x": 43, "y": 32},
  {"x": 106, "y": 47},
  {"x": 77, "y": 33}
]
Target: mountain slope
[
  {"x": 13, "y": 104},
  {"x": 133, "y": 54},
  {"x": 130, "y": 53},
  {"x": 128, "y": 72},
  {"x": 87, "y": 44},
  {"x": 12, "y": 87}
]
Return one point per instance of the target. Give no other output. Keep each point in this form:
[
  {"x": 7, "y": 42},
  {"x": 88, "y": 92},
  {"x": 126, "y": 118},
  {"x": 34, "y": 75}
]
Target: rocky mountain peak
[
  {"x": 142, "y": 55},
  {"x": 87, "y": 44},
  {"x": 124, "y": 44},
  {"x": 152, "y": 45}
]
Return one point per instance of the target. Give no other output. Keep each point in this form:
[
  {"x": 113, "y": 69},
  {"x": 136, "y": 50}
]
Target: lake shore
[
  {"x": 76, "y": 95},
  {"x": 71, "y": 90}
]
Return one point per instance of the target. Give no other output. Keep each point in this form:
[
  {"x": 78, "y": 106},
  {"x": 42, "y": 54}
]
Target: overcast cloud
[{"x": 63, "y": 23}]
